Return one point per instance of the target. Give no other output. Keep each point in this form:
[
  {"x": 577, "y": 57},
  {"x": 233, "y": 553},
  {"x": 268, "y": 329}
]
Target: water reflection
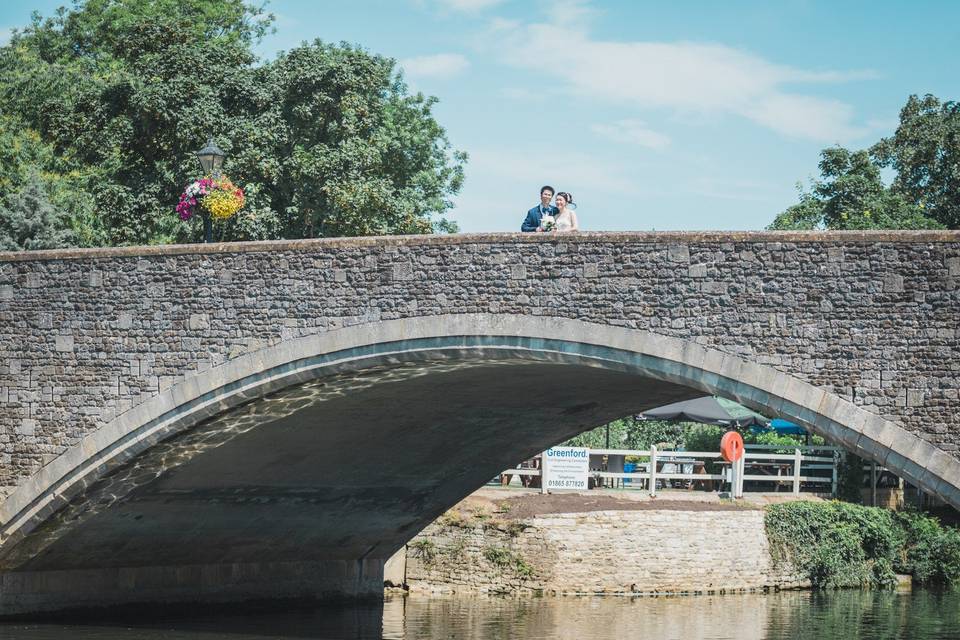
[
  {"x": 851, "y": 615},
  {"x": 741, "y": 616}
]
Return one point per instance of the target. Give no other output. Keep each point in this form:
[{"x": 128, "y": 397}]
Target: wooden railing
[{"x": 792, "y": 469}]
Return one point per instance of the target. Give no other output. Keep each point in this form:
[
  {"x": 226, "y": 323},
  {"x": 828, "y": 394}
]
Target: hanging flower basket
[{"x": 218, "y": 197}]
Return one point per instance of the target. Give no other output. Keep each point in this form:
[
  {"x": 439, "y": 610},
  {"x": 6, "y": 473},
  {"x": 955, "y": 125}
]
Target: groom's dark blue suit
[{"x": 534, "y": 216}]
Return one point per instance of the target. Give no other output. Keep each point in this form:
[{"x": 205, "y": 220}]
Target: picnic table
[
  {"x": 667, "y": 464},
  {"x": 783, "y": 469}
]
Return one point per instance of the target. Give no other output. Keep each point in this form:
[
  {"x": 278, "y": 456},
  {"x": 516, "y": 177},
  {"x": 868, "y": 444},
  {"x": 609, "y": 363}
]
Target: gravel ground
[{"x": 526, "y": 503}]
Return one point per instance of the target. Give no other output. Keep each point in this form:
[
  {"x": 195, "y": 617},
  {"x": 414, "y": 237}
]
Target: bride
[{"x": 566, "y": 218}]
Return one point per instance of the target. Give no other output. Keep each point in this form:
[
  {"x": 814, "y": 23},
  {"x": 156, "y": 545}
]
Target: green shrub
[
  {"x": 931, "y": 553},
  {"x": 836, "y": 544}
]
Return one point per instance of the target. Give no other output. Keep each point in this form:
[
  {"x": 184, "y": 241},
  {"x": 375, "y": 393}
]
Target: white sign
[{"x": 566, "y": 468}]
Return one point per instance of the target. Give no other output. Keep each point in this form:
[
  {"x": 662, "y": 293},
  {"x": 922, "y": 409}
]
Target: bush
[
  {"x": 837, "y": 544},
  {"x": 931, "y": 553}
]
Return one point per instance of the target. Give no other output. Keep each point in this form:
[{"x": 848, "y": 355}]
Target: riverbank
[{"x": 595, "y": 543}]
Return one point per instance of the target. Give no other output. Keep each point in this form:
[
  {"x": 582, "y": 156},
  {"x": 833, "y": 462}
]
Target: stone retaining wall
[{"x": 599, "y": 552}]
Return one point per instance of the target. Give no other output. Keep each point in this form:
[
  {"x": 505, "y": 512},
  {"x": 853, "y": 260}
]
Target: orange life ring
[{"x": 731, "y": 446}]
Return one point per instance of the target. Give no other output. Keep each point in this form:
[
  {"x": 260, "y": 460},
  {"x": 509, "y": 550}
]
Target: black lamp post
[{"x": 211, "y": 159}]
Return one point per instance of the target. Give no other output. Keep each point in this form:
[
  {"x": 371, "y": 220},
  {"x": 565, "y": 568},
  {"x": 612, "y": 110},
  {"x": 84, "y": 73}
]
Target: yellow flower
[{"x": 223, "y": 201}]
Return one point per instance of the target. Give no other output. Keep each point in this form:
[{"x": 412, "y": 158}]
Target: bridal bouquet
[
  {"x": 216, "y": 196},
  {"x": 547, "y": 223}
]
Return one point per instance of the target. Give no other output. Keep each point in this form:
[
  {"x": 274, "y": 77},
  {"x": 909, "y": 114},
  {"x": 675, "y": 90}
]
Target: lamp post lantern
[{"x": 211, "y": 159}]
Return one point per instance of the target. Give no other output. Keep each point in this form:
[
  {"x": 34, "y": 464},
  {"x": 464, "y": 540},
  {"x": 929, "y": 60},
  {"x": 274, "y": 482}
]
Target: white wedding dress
[{"x": 564, "y": 221}]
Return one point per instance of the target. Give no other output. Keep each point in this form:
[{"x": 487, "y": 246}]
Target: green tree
[
  {"x": 629, "y": 433},
  {"x": 925, "y": 153},
  {"x": 850, "y": 194},
  {"x": 26, "y": 158},
  {"x": 28, "y": 220},
  {"x": 325, "y": 139}
]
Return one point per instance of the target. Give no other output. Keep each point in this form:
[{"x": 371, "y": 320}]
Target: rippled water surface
[{"x": 848, "y": 615}]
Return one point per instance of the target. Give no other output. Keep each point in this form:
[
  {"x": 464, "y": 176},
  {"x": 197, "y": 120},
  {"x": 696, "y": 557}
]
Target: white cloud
[
  {"x": 685, "y": 77},
  {"x": 441, "y": 65},
  {"x": 570, "y": 12},
  {"x": 5, "y": 36},
  {"x": 634, "y": 132},
  {"x": 469, "y": 6}
]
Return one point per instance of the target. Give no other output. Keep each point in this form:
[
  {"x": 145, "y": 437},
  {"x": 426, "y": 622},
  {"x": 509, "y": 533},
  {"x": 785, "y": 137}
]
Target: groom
[{"x": 532, "y": 222}]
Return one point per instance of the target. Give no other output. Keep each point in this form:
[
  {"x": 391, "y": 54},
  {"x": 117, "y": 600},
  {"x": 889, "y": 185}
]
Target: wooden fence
[{"x": 805, "y": 467}]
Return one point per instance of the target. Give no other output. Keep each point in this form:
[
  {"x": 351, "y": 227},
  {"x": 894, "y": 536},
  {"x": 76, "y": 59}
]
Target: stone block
[
  {"x": 6, "y": 292},
  {"x": 953, "y": 266},
  {"x": 697, "y": 271},
  {"x": 199, "y": 321},
  {"x": 64, "y": 343},
  {"x": 892, "y": 283},
  {"x": 915, "y": 397},
  {"x": 27, "y": 427},
  {"x": 714, "y": 288},
  {"x": 834, "y": 254},
  {"x": 678, "y": 253},
  {"x": 518, "y": 272}
]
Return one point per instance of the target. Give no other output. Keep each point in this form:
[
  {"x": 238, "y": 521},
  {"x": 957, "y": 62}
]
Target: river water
[{"x": 845, "y": 615}]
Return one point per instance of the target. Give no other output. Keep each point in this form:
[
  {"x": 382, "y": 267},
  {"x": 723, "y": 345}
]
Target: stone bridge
[{"x": 273, "y": 420}]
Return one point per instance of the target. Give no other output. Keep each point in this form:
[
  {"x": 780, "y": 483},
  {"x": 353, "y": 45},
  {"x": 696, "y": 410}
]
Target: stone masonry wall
[
  {"x": 86, "y": 335},
  {"x": 600, "y": 552}
]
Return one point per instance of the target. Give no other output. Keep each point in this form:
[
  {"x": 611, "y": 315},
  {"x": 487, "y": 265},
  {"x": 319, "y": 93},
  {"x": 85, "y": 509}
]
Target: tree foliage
[
  {"x": 630, "y": 433},
  {"x": 925, "y": 153},
  {"x": 851, "y": 195},
  {"x": 28, "y": 220},
  {"x": 325, "y": 139},
  {"x": 924, "y": 194}
]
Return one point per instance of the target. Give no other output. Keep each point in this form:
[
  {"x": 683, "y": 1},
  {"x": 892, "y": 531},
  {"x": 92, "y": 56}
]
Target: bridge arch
[
  {"x": 46, "y": 509},
  {"x": 465, "y": 337}
]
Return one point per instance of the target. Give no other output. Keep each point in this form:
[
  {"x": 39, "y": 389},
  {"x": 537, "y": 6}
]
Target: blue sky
[{"x": 696, "y": 115}]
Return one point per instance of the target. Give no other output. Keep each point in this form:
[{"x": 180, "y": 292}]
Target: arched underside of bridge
[{"x": 297, "y": 470}]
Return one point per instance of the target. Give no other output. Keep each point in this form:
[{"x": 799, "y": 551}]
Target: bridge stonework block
[{"x": 953, "y": 266}]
